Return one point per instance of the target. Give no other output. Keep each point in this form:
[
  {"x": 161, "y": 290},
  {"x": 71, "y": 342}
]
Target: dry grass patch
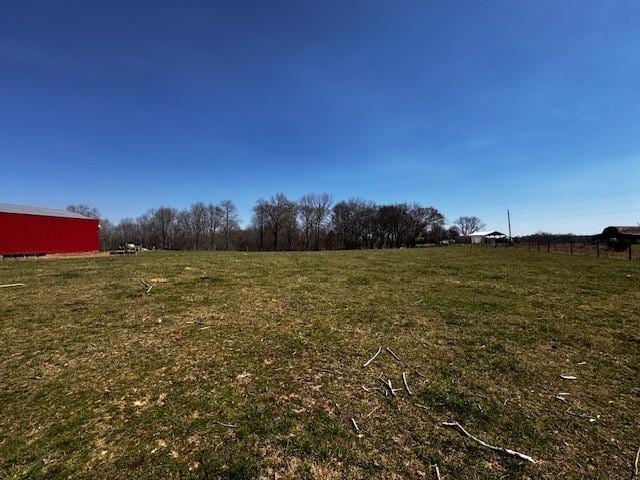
[{"x": 241, "y": 365}]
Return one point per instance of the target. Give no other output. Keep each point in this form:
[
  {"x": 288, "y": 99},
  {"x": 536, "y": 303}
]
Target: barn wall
[{"x": 32, "y": 234}]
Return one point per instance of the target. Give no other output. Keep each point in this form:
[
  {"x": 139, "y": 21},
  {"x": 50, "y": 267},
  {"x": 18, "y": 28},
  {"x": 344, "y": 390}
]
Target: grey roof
[{"x": 46, "y": 212}]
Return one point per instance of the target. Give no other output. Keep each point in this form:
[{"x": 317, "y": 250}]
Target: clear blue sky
[{"x": 470, "y": 106}]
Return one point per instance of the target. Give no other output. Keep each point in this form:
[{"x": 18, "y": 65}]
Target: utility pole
[{"x": 509, "y": 221}]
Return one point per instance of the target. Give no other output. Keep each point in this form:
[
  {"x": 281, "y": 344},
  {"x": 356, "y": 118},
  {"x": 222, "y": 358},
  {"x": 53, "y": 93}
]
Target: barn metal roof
[
  {"x": 45, "y": 212},
  {"x": 488, "y": 233}
]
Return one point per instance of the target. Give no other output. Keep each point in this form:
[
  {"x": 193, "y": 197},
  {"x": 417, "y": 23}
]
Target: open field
[{"x": 99, "y": 379}]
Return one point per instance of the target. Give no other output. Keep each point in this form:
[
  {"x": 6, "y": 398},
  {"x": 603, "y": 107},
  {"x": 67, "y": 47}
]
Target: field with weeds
[{"x": 250, "y": 365}]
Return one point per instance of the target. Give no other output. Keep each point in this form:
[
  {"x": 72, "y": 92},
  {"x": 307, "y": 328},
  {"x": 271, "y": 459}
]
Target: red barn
[{"x": 37, "y": 231}]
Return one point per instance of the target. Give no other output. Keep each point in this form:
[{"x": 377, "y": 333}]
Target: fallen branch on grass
[
  {"x": 393, "y": 354},
  {"x": 507, "y": 451},
  {"x": 568, "y": 377},
  {"x": 355, "y": 425},
  {"x": 580, "y": 415},
  {"x": 372, "y": 411},
  {"x": 435, "y": 467},
  {"x": 12, "y": 285},
  {"x": 147, "y": 285},
  {"x": 387, "y": 383},
  {"x": 419, "y": 374},
  {"x": 228, "y": 425},
  {"x": 406, "y": 385},
  {"x": 636, "y": 464},
  {"x": 196, "y": 322},
  {"x": 419, "y": 405},
  {"x": 373, "y": 358}
]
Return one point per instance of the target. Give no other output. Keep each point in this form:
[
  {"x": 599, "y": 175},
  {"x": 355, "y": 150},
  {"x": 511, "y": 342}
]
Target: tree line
[{"x": 313, "y": 222}]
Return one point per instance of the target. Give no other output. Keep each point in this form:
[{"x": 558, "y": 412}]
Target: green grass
[{"x": 100, "y": 380}]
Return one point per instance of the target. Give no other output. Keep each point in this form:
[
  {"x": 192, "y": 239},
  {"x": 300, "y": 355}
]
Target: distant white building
[{"x": 487, "y": 236}]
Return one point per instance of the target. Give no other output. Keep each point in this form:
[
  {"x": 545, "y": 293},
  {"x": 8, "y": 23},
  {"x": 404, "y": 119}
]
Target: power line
[
  {"x": 584, "y": 215},
  {"x": 606, "y": 195},
  {"x": 579, "y": 207},
  {"x": 582, "y": 207}
]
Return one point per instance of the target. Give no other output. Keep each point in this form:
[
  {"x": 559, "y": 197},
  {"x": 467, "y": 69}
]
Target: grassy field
[{"x": 99, "y": 379}]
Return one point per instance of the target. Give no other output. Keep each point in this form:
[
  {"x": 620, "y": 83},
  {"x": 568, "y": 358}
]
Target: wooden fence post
[
  {"x": 571, "y": 247},
  {"x": 597, "y": 248},
  {"x": 548, "y": 246},
  {"x": 630, "y": 254},
  {"x": 538, "y": 245}
]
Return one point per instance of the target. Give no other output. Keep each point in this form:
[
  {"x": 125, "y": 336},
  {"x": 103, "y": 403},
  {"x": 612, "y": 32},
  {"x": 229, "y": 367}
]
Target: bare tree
[
  {"x": 291, "y": 225},
  {"x": 165, "y": 220},
  {"x": 106, "y": 234},
  {"x": 198, "y": 222},
  {"x": 85, "y": 210},
  {"x": 146, "y": 229},
  {"x": 352, "y": 221},
  {"x": 278, "y": 209},
  {"x": 259, "y": 221},
  {"x": 229, "y": 214},
  {"x": 214, "y": 221},
  {"x": 468, "y": 225},
  {"x": 307, "y": 211},
  {"x": 183, "y": 238},
  {"x": 128, "y": 231},
  {"x": 424, "y": 222},
  {"x": 280, "y": 223},
  {"x": 322, "y": 214}
]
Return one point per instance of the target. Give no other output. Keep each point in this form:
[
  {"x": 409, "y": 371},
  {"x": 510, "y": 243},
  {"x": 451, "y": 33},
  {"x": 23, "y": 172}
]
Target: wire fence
[{"x": 591, "y": 248}]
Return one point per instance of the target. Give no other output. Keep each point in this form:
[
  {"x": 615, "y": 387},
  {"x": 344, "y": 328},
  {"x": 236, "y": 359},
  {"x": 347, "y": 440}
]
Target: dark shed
[{"x": 621, "y": 234}]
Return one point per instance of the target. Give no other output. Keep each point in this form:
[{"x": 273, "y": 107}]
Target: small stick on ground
[
  {"x": 435, "y": 467},
  {"x": 513, "y": 453},
  {"x": 355, "y": 425},
  {"x": 146, "y": 285},
  {"x": 372, "y": 358},
  {"x": 419, "y": 374},
  {"x": 387, "y": 383},
  {"x": 419, "y": 405},
  {"x": 196, "y": 322},
  {"x": 580, "y": 415},
  {"x": 636, "y": 463},
  {"x": 372, "y": 411},
  {"x": 9, "y": 285},
  {"x": 393, "y": 354},
  {"x": 150, "y": 287},
  {"x": 228, "y": 425},
  {"x": 406, "y": 385}
]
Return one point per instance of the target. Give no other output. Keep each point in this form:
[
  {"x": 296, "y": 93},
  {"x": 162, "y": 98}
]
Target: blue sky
[{"x": 470, "y": 106}]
